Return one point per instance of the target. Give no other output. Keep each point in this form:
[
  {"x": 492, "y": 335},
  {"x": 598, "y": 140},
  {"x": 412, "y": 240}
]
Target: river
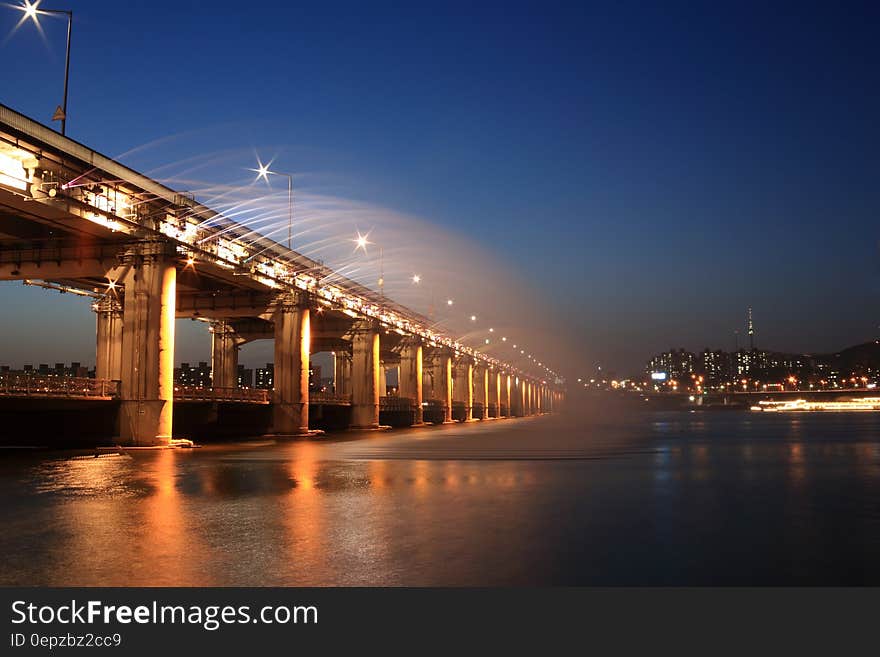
[{"x": 602, "y": 495}]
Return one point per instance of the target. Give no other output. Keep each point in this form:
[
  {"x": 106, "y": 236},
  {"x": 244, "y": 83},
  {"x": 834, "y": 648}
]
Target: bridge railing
[
  {"x": 33, "y": 385},
  {"x": 200, "y": 393},
  {"x": 329, "y": 398},
  {"x": 395, "y": 403}
]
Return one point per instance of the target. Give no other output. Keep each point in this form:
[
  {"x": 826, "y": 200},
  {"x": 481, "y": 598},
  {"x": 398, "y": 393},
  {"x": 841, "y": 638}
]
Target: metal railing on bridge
[
  {"x": 395, "y": 403},
  {"x": 203, "y": 394},
  {"x": 329, "y": 398},
  {"x": 62, "y": 387}
]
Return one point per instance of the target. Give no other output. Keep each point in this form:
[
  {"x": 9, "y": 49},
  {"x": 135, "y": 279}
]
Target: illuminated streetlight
[
  {"x": 263, "y": 171},
  {"x": 361, "y": 242},
  {"x": 33, "y": 11},
  {"x": 416, "y": 279},
  {"x": 449, "y": 302},
  {"x": 473, "y": 318}
]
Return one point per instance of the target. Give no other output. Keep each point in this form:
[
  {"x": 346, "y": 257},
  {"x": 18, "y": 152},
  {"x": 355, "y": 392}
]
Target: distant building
[
  {"x": 265, "y": 377},
  {"x": 676, "y": 363},
  {"x": 714, "y": 366},
  {"x": 194, "y": 375},
  {"x": 245, "y": 377}
]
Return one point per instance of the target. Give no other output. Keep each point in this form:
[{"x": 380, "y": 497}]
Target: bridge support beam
[
  {"x": 409, "y": 382},
  {"x": 147, "y": 373},
  {"x": 383, "y": 380},
  {"x": 493, "y": 392},
  {"x": 224, "y": 355},
  {"x": 443, "y": 381},
  {"x": 108, "y": 357},
  {"x": 342, "y": 372},
  {"x": 365, "y": 375},
  {"x": 290, "y": 399},
  {"x": 463, "y": 385},
  {"x": 481, "y": 390},
  {"x": 516, "y": 397}
]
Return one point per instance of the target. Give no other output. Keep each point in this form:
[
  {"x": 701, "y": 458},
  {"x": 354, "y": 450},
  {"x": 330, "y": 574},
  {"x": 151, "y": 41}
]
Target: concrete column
[
  {"x": 224, "y": 355},
  {"x": 365, "y": 375},
  {"x": 410, "y": 375},
  {"x": 108, "y": 361},
  {"x": 342, "y": 372},
  {"x": 290, "y": 398},
  {"x": 481, "y": 389},
  {"x": 443, "y": 381},
  {"x": 147, "y": 373},
  {"x": 516, "y": 397},
  {"x": 506, "y": 391},
  {"x": 383, "y": 380},
  {"x": 463, "y": 384},
  {"x": 492, "y": 389}
]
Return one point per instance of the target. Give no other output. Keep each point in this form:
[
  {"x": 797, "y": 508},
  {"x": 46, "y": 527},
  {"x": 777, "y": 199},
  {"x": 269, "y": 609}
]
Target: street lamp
[
  {"x": 361, "y": 242},
  {"x": 33, "y": 11},
  {"x": 264, "y": 172}
]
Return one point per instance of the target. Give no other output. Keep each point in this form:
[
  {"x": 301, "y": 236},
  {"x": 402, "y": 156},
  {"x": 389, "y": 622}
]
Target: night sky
[{"x": 649, "y": 171}]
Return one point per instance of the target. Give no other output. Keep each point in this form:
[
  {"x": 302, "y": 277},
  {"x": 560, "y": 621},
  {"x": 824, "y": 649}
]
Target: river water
[{"x": 596, "y": 496}]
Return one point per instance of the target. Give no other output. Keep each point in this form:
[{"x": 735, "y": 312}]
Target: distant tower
[{"x": 751, "y": 331}]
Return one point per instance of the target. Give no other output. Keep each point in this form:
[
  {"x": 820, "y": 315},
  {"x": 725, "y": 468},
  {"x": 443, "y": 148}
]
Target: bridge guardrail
[
  {"x": 329, "y": 398},
  {"x": 394, "y": 403},
  {"x": 199, "y": 393},
  {"x": 28, "y": 385}
]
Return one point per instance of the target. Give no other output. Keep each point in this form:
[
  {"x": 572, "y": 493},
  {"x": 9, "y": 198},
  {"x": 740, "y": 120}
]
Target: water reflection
[{"x": 641, "y": 499}]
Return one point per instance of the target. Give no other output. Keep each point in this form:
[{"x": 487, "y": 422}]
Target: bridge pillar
[
  {"x": 409, "y": 380},
  {"x": 147, "y": 372},
  {"x": 290, "y": 397},
  {"x": 505, "y": 394},
  {"x": 443, "y": 381},
  {"x": 492, "y": 390},
  {"x": 365, "y": 375},
  {"x": 463, "y": 384},
  {"x": 224, "y": 355},
  {"x": 481, "y": 389},
  {"x": 342, "y": 372},
  {"x": 108, "y": 361},
  {"x": 516, "y": 397},
  {"x": 383, "y": 380}
]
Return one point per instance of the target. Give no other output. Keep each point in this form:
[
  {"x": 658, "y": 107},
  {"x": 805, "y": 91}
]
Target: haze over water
[{"x": 606, "y": 495}]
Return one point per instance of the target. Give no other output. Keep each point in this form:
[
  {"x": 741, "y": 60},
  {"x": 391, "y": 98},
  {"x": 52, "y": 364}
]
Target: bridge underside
[{"x": 65, "y": 228}]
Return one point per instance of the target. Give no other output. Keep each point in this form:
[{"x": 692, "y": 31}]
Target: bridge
[{"x": 145, "y": 255}]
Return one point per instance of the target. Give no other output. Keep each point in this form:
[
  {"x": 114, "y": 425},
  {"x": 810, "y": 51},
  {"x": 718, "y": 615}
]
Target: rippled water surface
[{"x": 595, "y": 497}]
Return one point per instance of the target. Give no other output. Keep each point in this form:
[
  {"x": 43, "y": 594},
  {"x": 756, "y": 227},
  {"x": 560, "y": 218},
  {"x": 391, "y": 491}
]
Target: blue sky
[{"x": 654, "y": 170}]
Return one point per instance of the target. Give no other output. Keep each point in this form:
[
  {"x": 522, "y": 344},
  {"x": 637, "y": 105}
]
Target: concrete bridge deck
[{"x": 145, "y": 255}]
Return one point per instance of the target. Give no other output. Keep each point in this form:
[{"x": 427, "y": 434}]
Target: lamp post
[
  {"x": 264, "y": 172},
  {"x": 33, "y": 11},
  {"x": 361, "y": 242}
]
